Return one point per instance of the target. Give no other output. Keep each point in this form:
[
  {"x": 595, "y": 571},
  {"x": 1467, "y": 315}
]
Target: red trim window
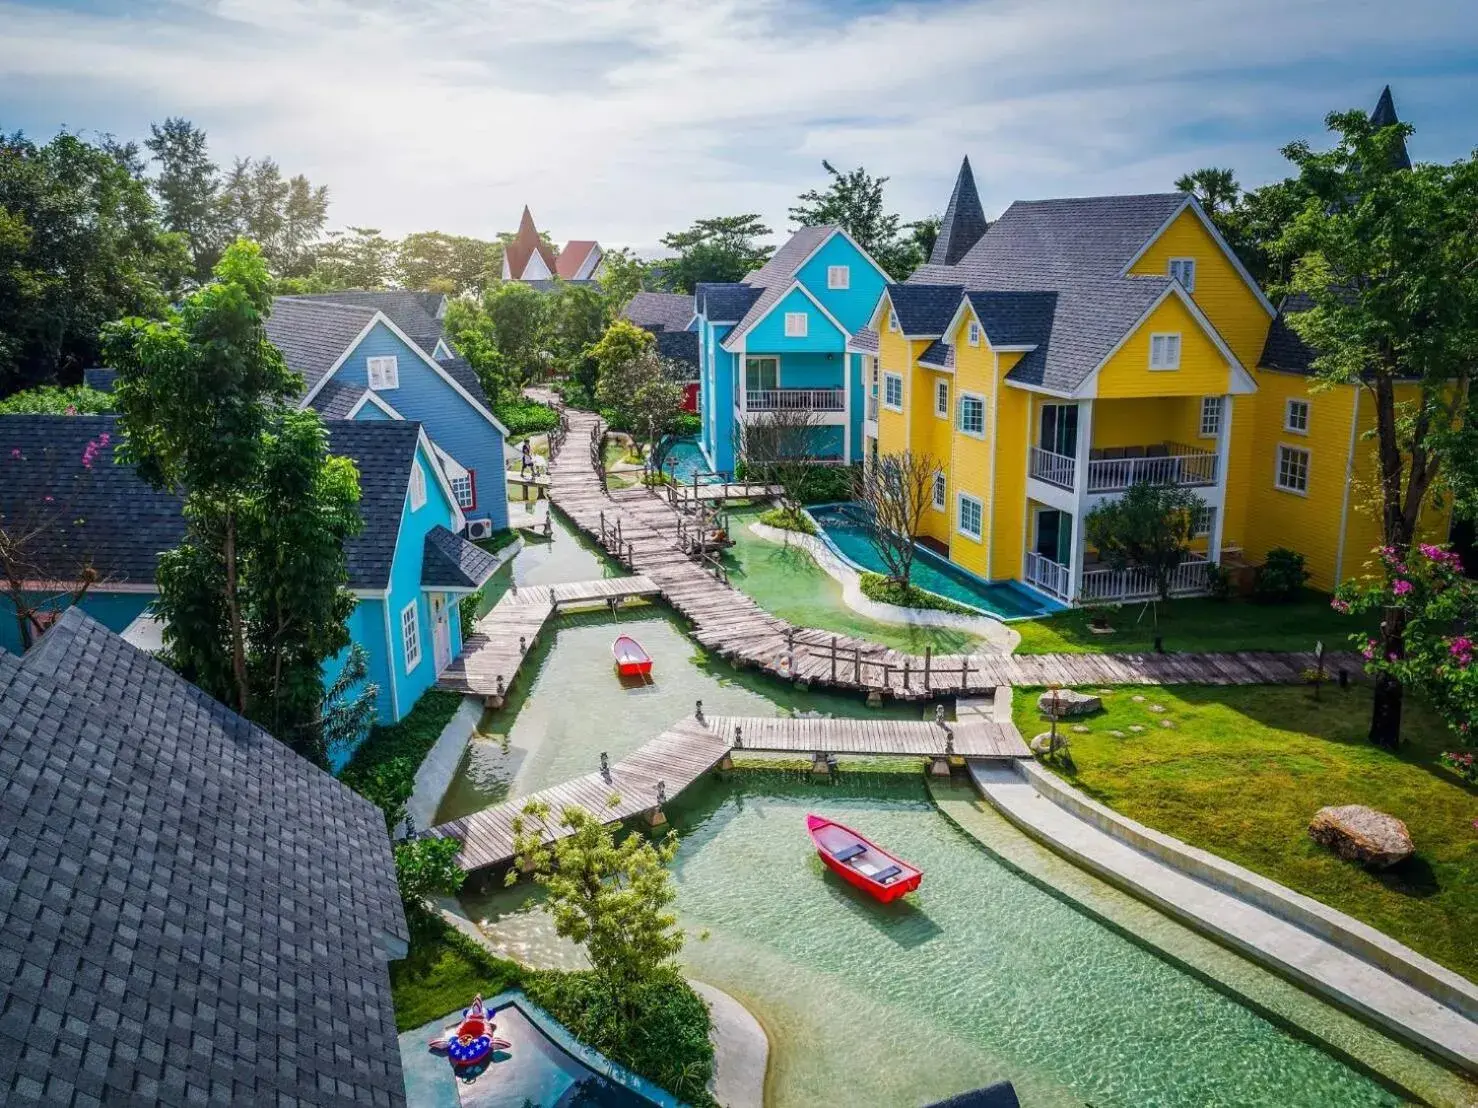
[{"x": 465, "y": 490}]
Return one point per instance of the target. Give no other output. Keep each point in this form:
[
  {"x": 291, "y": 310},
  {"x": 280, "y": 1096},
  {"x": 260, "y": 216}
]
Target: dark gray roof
[
  {"x": 1284, "y": 349},
  {"x": 725, "y": 303},
  {"x": 100, "y": 378},
  {"x": 413, "y": 312},
  {"x": 550, "y": 284},
  {"x": 938, "y": 355},
  {"x": 963, "y": 222},
  {"x": 451, "y": 562},
  {"x": 461, "y": 371},
  {"x": 664, "y": 311},
  {"x": 865, "y": 340},
  {"x": 679, "y": 346},
  {"x": 103, "y": 515},
  {"x": 313, "y": 334},
  {"x": 382, "y": 451},
  {"x": 776, "y": 275},
  {"x": 925, "y": 310},
  {"x": 336, "y": 399},
  {"x": 1015, "y": 318},
  {"x": 189, "y": 911},
  {"x": 1385, "y": 115}
]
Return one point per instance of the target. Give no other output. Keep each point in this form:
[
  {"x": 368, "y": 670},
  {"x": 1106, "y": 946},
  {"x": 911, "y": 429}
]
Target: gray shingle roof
[
  {"x": 865, "y": 341},
  {"x": 667, "y": 311},
  {"x": 451, "y": 562},
  {"x": 461, "y": 371},
  {"x": 382, "y": 451},
  {"x": 1284, "y": 349},
  {"x": 103, "y": 516},
  {"x": 679, "y": 346},
  {"x": 1015, "y": 318},
  {"x": 963, "y": 222},
  {"x": 336, "y": 399},
  {"x": 100, "y": 378},
  {"x": 725, "y": 303},
  {"x": 413, "y": 312},
  {"x": 313, "y": 334},
  {"x": 1385, "y": 115},
  {"x": 924, "y": 310},
  {"x": 775, "y": 276},
  {"x": 188, "y": 910},
  {"x": 938, "y": 355}
]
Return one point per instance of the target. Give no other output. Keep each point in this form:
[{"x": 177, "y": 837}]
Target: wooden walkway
[
  {"x": 641, "y": 528},
  {"x": 492, "y": 654},
  {"x": 973, "y": 739},
  {"x": 690, "y": 496}
]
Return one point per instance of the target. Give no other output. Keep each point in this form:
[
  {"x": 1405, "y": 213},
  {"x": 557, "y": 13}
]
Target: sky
[{"x": 621, "y": 120}]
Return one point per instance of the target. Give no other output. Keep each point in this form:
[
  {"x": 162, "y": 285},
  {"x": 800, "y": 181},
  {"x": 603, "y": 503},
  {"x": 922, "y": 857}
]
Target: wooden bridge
[
  {"x": 492, "y": 655},
  {"x": 977, "y": 738}
]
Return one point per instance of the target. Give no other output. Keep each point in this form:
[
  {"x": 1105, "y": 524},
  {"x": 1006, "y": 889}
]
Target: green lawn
[
  {"x": 1240, "y": 772},
  {"x": 1195, "y": 625}
]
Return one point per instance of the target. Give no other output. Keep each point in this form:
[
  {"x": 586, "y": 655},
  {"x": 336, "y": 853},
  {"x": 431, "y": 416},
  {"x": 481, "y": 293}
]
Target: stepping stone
[
  {"x": 1167, "y": 723},
  {"x": 1136, "y": 728},
  {"x": 1157, "y": 707},
  {"x": 1105, "y": 692},
  {"x": 1081, "y": 730},
  {"x": 1117, "y": 734},
  {"x": 1138, "y": 698}
]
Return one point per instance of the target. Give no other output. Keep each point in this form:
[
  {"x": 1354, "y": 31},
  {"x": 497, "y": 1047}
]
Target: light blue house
[
  {"x": 778, "y": 341},
  {"x": 382, "y": 355}
]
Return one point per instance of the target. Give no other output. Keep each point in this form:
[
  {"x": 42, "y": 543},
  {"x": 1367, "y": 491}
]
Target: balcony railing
[
  {"x": 1048, "y": 576},
  {"x": 1166, "y": 463},
  {"x": 1055, "y": 469},
  {"x": 1187, "y": 579},
  {"x": 795, "y": 400}
]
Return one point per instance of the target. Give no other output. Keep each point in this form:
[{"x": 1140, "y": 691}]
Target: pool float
[{"x": 472, "y": 1040}]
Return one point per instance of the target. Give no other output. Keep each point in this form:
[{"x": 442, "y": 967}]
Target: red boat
[
  {"x": 860, "y": 862},
  {"x": 631, "y": 659}
]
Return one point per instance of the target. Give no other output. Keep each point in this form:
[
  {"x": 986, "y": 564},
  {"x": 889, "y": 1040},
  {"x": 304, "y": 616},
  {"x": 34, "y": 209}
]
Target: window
[
  {"x": 418, "y": 486},
  {"x": 410, "y": 635},
  {"x": 941, "y": 399},
  {"x": 1210, "y": 417},
  {"x": 893, "y": 391},
  {"x": 1296, "y": 417},
  {"x": 1165, "y": 351},
  {"x": 972, "y": 415},
  {"x": 384, "y": 373},
  {"x": 892, "y": 321},
  {"x": 464, "y": 488},
  {"x": 1293, "y": 469},
  {"x": 1202, "y": 519},
  {"x": 838, "y": 277},
  {"x": 1184, "y": 271},
  {"x": 761, "y": 374},
  {"x": 796, "y": 325},
  {"x": 939, "y": 491},
  {"x": 974, "y": 333},
  {"x": 970, "y": 516}
]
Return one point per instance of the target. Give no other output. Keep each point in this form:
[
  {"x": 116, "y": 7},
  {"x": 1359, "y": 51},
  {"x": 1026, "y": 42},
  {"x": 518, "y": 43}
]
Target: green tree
[
  {"x": 425, "y": 868},
  {"x": 253, "y": 598},
  {"x": 358, "y": 258},
  {"x": 1148, "y": 529},
  {"x": 613, "y": 898},
  {"x": 1388, "y": 258},
  {"x": 187, "y": 188},
  {"x": 622, "y": 276},
  {"x": 51, "y": 400},
  {"x": 1216, "y": 190},
  {"x": 854, "y": 202},
  {"x": 719, "y": 249},
  {"x": 635, "y": 390},
  {"x": 437, "y": 262},
  {"x": 284, "y": 216},
  {"x": 577, "y": 319}
]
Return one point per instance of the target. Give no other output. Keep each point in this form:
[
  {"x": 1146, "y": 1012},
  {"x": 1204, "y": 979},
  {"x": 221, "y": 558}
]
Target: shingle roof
[
  {"x": 382, "y": 450},
  {"x": 1284, "y": 349},
  {"x": 864, "y": 341},
  {"x": 679, "y": 346},
  {"x": 336, "y": 399},
  {"x": 938, "y": 355},
  {"x": 963, "y": 222},
  {"x": 553, "y": 285},
  {"x": 188, "y": 910},
  {"x": 313, "y": 334},
  {"x": 103, "y": 515},
  {"x": 925, "y": 310},
  {"x": 412, "y": 312},
  {"x": 724, "y": 302},
  {"x": 1385, "y": 115},
  {"x": 775, "y": 276},
  {"x": 1015, "y": 318},
  {"x": 451, "y": 562},
  {"x": 100, "y": 378},
  {"x": 668, "y": 311}
]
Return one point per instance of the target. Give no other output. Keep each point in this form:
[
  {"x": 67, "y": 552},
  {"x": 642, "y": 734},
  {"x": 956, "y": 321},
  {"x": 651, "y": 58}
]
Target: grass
[
  {"x": 383, "y": 768},
  {"x": 788, "y": 520},
  {"x": 498, "y": 540},
  {"x": 1195, "y": 625},
  {"x": 1241, "y": 771},
  {"x": 877, "y": 587}
]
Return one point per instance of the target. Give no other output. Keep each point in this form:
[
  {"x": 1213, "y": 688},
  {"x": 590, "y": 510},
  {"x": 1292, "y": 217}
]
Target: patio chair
[
  {"x": 1158, "y": 450},
  {"x": 1134, "y": 452},
  {"x": 1113, "y": 453}
]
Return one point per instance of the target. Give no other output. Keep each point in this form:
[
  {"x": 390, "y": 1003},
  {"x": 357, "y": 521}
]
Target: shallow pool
[
  {"x": 686, "y": 460},
  {"x": 845, "y": 528}
]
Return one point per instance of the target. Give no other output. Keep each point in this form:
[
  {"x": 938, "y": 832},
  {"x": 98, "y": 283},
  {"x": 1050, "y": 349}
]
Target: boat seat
[
  {"x": 846, "y": 854},
  {"x": 885, "y": 875}
]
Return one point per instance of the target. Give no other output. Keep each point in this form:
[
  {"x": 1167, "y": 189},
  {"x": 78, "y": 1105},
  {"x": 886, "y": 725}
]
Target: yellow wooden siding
[
  {"x": 972, "y": 462},
  {"x": 932, "y": 436},
  {"x": 1203, "y": 368},
  {"x": 895, "y": 356},
  {"x": 1149, "y": 420},
  {"x": 1220, "y": 292},
  {"x": 1012, "y": 433}
]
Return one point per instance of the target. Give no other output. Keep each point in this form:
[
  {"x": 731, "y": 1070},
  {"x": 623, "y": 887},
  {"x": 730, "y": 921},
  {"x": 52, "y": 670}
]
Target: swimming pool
[
  {"x": 686, "y": 459},
  {"x": 845, "y": 529}
]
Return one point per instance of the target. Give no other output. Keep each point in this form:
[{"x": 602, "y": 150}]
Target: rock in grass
[
  {"x": 1360, "y": 834},
  {"x": 1064, "y": 703}
]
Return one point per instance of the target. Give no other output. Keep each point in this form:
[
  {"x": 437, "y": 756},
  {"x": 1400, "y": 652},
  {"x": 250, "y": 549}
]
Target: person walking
[{"x": 526, "y": 468}]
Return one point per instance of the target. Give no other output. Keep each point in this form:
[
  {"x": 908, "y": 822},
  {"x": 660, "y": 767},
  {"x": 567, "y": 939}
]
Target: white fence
[
  {"x": 1048, "y": 576},
  {"x": 1055, "y": 469},
  {"x": 1182, "y": 466},
  {"x": 795, "y": 400},
  {"x": 1187, "y": 579}
]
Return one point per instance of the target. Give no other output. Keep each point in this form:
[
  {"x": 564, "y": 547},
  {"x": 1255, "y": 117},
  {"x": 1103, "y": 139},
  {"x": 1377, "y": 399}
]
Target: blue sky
[{"x": 622, "y": 119}]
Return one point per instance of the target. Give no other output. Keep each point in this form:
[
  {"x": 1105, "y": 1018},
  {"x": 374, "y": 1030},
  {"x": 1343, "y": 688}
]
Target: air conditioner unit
[{"x": 479, "y": 529}]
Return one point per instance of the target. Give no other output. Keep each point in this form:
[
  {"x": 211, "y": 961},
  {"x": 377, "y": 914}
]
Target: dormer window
[
  {"x": 1184, "y": 271},
  {"x": 797, "y": 324},
  {"x": 384, "y": 373},
  {"x": 974, "y": 332},
  {"x": 838, "y": 277}
]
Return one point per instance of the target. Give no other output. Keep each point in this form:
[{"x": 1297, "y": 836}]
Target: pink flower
[
  {"x": 49, "y": 499},
  {"x": 1401, "y": 587},
  {"x": 1369, "y": 651},
  {"x": 104, "y": 439},
  {"x": 1339, "y": 605},
  {"x": 71, "y": 409},
  {"x": 15, "y": 452}
]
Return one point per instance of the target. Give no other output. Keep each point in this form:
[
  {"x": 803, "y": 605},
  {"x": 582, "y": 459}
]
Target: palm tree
[{"x": 1216, "y": 189}]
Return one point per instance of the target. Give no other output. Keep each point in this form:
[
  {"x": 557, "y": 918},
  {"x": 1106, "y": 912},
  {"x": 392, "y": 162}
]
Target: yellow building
[{"x": 1078, "y": 346}]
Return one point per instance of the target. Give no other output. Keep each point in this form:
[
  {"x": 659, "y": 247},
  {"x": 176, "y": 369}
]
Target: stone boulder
[
  {"x": 1069, "y": 703},
  {"x": 1360, "y": 834}
]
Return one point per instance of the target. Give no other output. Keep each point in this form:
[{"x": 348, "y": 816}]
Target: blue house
[
  {"x": 383, "y": 355},
  {"x": 778, "y": 341}
]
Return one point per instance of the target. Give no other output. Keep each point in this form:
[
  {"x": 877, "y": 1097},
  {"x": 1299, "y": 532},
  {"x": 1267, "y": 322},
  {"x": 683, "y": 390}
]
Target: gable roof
[
  {"x": 102, "y": 515},
  {"x": 314, "y": 335},
  {"x": 413, "y": 312},
  {"x": 775, "y": 278},
  {"x": 963, "y": 223},
  {"x": 924, "y": 310},
  {"x": 725, "y": 302},
  {"x": 938, "y": 355},
  {"x": 573, "y": 256},
  {"x": 382, "y": 450},
  {"x": 337, "y": 400},
  {"x": 526, "y": 243},
  {"x": 679, "y": 346},
  {"x": 189, "y": 908},
  {"x": 449, "y": 561},
  {"x": 666, "y": 311}
]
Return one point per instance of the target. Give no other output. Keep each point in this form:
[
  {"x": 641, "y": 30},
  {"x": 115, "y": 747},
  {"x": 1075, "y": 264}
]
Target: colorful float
[{"x": 471, "y": 1041}]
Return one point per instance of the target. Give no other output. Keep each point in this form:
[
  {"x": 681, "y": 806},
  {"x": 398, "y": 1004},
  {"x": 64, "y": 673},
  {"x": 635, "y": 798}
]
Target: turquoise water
[
  {"x": 685, "y": 460},
  {"x": 846, "y": 531}
]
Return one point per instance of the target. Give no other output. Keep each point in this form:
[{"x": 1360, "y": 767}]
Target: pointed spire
[
  {"x": 1385, "y": 116},
  {"x": 521, "y": 251},
  {"x": 963, "y": 223}
]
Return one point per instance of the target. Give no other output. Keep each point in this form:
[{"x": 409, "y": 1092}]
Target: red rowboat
[
  {"x": 859, "y": 862},
  {"x": 631, "y": 659}
]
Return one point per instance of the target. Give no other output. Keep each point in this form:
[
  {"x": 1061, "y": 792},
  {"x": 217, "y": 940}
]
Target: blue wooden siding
[
  {"x": 813, "y": 370},
  {"x": 717, "y": 397},
  {"x": 366, "y": 626},
  {"x": 768, "y": 335},
  {"x": 372, "y": 411},
  {"x": 852, "y": 306},
  {"x": 451, "y": 422},
  {"x": 114, "y": 610}
]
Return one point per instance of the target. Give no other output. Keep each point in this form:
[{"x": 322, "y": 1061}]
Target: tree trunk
[
  {"x": 1385, "y": 713},
  {"x": 233, "y": 609}
]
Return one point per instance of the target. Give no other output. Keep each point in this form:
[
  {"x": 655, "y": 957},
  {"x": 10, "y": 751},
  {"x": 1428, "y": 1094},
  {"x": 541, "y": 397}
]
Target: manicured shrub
[
  {"x": 1282, "y": 575},
  {"x": 50, "y": 400},
  {"x": 877, "y": 587},
  {"x": 788, "y": 521},
  {"x": 526, "y": 417},
  {"x": 1219, "y": 581}
]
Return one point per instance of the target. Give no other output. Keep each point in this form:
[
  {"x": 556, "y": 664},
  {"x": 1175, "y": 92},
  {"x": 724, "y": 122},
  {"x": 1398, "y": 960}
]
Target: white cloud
[{"x": 622, "y": 119}]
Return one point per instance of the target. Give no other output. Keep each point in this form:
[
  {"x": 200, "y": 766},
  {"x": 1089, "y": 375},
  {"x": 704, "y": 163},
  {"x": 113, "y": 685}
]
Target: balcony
[
  {"x": 1114, "y": 469},
  {"x": 1047, "y": 575},
  {"x": 1105, "y": 583},
  {"x": 872, "y": 409},
  {"x": 1055, "y": 469},
  {"x": 795, "y": 400}
]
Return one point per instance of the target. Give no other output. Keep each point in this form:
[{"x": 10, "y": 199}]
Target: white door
[{"x": 441, "y": 631}]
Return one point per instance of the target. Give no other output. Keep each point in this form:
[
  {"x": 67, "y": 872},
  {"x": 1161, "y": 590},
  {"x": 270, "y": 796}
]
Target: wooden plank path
[
  {"x": 688, "y": 496},
  {"x": 492, "y": 654},
  {"x": 640, "y": 531},
  {"x": 973, "y": 739}
]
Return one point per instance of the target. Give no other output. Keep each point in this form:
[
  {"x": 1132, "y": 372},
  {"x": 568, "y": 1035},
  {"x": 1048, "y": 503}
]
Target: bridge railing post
[
  {"x": 833, "y": 659},
  {"x": 928, "y": 658}
]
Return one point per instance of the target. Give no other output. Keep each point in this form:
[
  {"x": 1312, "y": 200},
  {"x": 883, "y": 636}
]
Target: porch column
[
  {"x": 1219, "y": 490},
  {"x": 1080, "y": 492}
]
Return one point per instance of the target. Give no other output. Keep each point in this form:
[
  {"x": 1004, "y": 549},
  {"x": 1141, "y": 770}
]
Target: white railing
[
  {"x": 1183, "y": 465},
  {"x": 872, "y": 409},
  {"x": 1048, "y": 576},
  {"x": 796, "y": 400},
  {"x": 1187, "y": 579},
  {"x": 1055, "y": 469}
]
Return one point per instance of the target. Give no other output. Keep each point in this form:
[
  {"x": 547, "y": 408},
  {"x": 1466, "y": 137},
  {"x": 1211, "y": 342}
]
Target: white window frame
[
  {"x": 888, "y": 379},
  {"x": 961, "y": 499},
  {"x": 382, "y": 373},
  {"x": 458, "y": 483},
  {"x": 797, "y": 325},
  {"x": 964, "y": 398},
  {"x": 1203, "y": 519},
  {"x": 1168, "y": 341},
  {"x": 973, "y": 333},
  {"x": 1213, "y": 410},
  {"x": 1187, "y": 267},
  {"x": 941, "y": 491},
  {"x": 1308, "y": 465},
  {"x": 838, "y": 276},
  {"x": 1292, "y": 404},
  {"x": 892, "y": 321},
  {"x": 410, "y": 635},
  {"x": 418, "y": 486},
  {"x": 941, "y": 398}
]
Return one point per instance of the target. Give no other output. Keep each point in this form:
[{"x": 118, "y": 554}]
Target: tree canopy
[
  {"x": 719, "y": 249},
  {"x": 854, "y": 202}
]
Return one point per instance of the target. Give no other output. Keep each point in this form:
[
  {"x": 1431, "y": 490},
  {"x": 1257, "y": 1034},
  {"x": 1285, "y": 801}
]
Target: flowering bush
[
  {"x": 1462, "y": 761},
  {"x": 1440, "y": 642}
]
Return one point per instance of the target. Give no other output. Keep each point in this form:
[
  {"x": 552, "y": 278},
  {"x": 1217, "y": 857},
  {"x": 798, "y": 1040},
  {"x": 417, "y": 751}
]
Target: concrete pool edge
[{"x": 1374, "y": 991}]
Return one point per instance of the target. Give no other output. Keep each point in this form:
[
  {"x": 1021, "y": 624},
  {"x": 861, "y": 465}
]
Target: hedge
[
  {"x": 526, "y": 417},
  {"x": 383, "y": 769}
]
